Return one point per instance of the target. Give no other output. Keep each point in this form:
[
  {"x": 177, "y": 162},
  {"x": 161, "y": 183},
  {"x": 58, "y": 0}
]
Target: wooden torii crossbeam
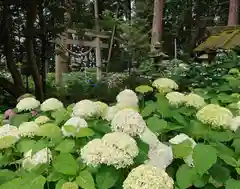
[
  {"x": 96, "y": 43},
  {"x": 63, "y": 41}
]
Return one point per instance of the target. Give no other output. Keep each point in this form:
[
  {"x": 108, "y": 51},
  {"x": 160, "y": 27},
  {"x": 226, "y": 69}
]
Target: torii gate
[{"x": 63, "y": 41}]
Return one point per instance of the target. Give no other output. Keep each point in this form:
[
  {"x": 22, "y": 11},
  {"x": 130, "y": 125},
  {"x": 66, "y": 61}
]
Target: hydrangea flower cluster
[
  {"x": 27, "y": 104},
  {"x": 117, "y": 149},
  {"x": 85, "y": 109},
  {"x": 69, "y": 185},
  {"x": 178, "y": 140},
  {"x": 101, "y": 108},
  {"x": 175, "y": 98},
  {"x": 31, "y": 160},
  {"x": 51, "y": 104},
  {"x": 28, "y": 129},
  {"x": 160, "y": 155},
  {"x": 215, "y": 115},
  {"x": 128, "y": 121},
  {"x": 234, "y": 123},
  {"x": 110, "y": 112},
  {"x": 146, "y": 177},
  {"x": 127, "y": 98},
  {"x": 194, "y": 100},
  {"x": 75, "y": 122},
  {"x": 9, "y": 135},
  {"x": 165, "y": 85},
  {"x": 42, "y": 120}
]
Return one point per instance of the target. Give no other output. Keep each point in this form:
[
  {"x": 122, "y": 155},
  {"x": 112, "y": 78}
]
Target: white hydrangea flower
[
  {"x": 43, "y": 156},
  {"x": 148, "y": 177},
  {"x": 110, "y": 113},
  {"x": 235, "y": 123},
  {"x": 51, "y": 104},
  {"x": 85, "y": 109},
  {"x": 215, "y": 115},
  {"x": 42, "y": 120},
  {"x": 178, "y": 139},
  {"x": 165, "y": 85},
  {"x": 149, "y": 137},
  {"x": 101, "y": 108},
  {"x": 160, "y": 155},
  {"x": 9, "y": 135},
  {"x": 76, "y": 122},
  {"x": 27, "y": 104},
  {"x": 91, "y": 153},
  {"x": 117, "y": 158},
  {"x": 28, "y": 129},
  {"x": 194, "y": 100},
  {"x": 69, "y": 185},
  {"x": 116, "y": 149},
  {"x": 127, "y": 98},
  {"x": 122, "y": 149},
  {"x": 175, "y": 98},
  {"x": 9, "y": 130},
  {"x": 128, "y": 121}
]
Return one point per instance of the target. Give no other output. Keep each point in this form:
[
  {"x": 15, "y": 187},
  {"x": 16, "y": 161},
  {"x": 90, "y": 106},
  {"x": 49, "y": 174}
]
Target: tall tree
[
  {"x": 233, "y": 12},
  {"x": 30, "y": 31},
  {"x": 157, "y": 24}
]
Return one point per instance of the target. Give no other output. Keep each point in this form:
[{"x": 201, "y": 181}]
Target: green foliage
[{"x": 212, "y": 163}]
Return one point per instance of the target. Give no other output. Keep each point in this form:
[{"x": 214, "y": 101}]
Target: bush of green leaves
[{"x": 215, "y": 157}]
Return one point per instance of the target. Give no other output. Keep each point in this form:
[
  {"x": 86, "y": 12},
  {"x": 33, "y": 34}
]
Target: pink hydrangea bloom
[
  {"x": 8, "y": 113},
  {"x": 34, "y": 113}
]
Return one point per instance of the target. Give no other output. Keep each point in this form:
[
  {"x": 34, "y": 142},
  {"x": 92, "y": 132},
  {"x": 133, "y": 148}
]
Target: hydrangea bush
[{"x": 171, "y": 141}]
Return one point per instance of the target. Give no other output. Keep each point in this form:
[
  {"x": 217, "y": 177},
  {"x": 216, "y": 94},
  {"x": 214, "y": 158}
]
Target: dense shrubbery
[
  {"x": 177, "y": 140},
  {"x": 80, "y": 85}
]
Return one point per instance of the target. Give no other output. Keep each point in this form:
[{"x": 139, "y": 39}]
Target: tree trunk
[
  {"x": 43, "y": 37},
  {"x": 8, "y": 50},
  {"x": 31, "y": 17},
  {"x": 233, "y": 12},
  {"x": 11, "y": 88},
  {"x": 157, "y": 25}
]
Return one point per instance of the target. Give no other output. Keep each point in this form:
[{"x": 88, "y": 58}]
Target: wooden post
[{"x": 98, "y": 48}]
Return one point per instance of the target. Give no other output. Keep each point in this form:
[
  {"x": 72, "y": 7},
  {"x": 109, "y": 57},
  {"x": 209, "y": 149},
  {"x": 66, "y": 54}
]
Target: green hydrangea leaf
[
  {"x": 185, "y": 176},
  {"x": 148, "y": 109},
  {"x": 85, "y": 132},
  {"x": 70, "y": 128},
  {"x": 236, "y": 145},
  {"x": 65, "y": 163},
  {"x": 55, "y": 176},
  {"x": 18, "y": 119},
  {"x": 60, "y": 116},
  {"x": 230, "y": 160},
  {"x": 39, "y": 145},
  {"x": 204, "y": 157},
  {"x": 183, "y": 149},
  {"x": 156, "y": 125},
  {"x": 144, "y": 89},
  {"x": 197, "y": 129},
  {"x": 107, "y": 177},
  {"x": 25, "y": 145},
  {"x": 220, "y": 136},
  {"x": 66, "y": 146},
  {"x": 7, "y": 141},
  {"x": 26, "y": 182},
  {"x": 6, "y": 175},
  {"x": 49, "y": 130},
  {"x": 219, "y": 173},
  {"x": 1, "y": 119},
  {"x": 85, "y": 180},
  {"x": 70, "y": 108},
  {"x": 233, "y": 184},
  {"x": 60, "y": 183}
]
